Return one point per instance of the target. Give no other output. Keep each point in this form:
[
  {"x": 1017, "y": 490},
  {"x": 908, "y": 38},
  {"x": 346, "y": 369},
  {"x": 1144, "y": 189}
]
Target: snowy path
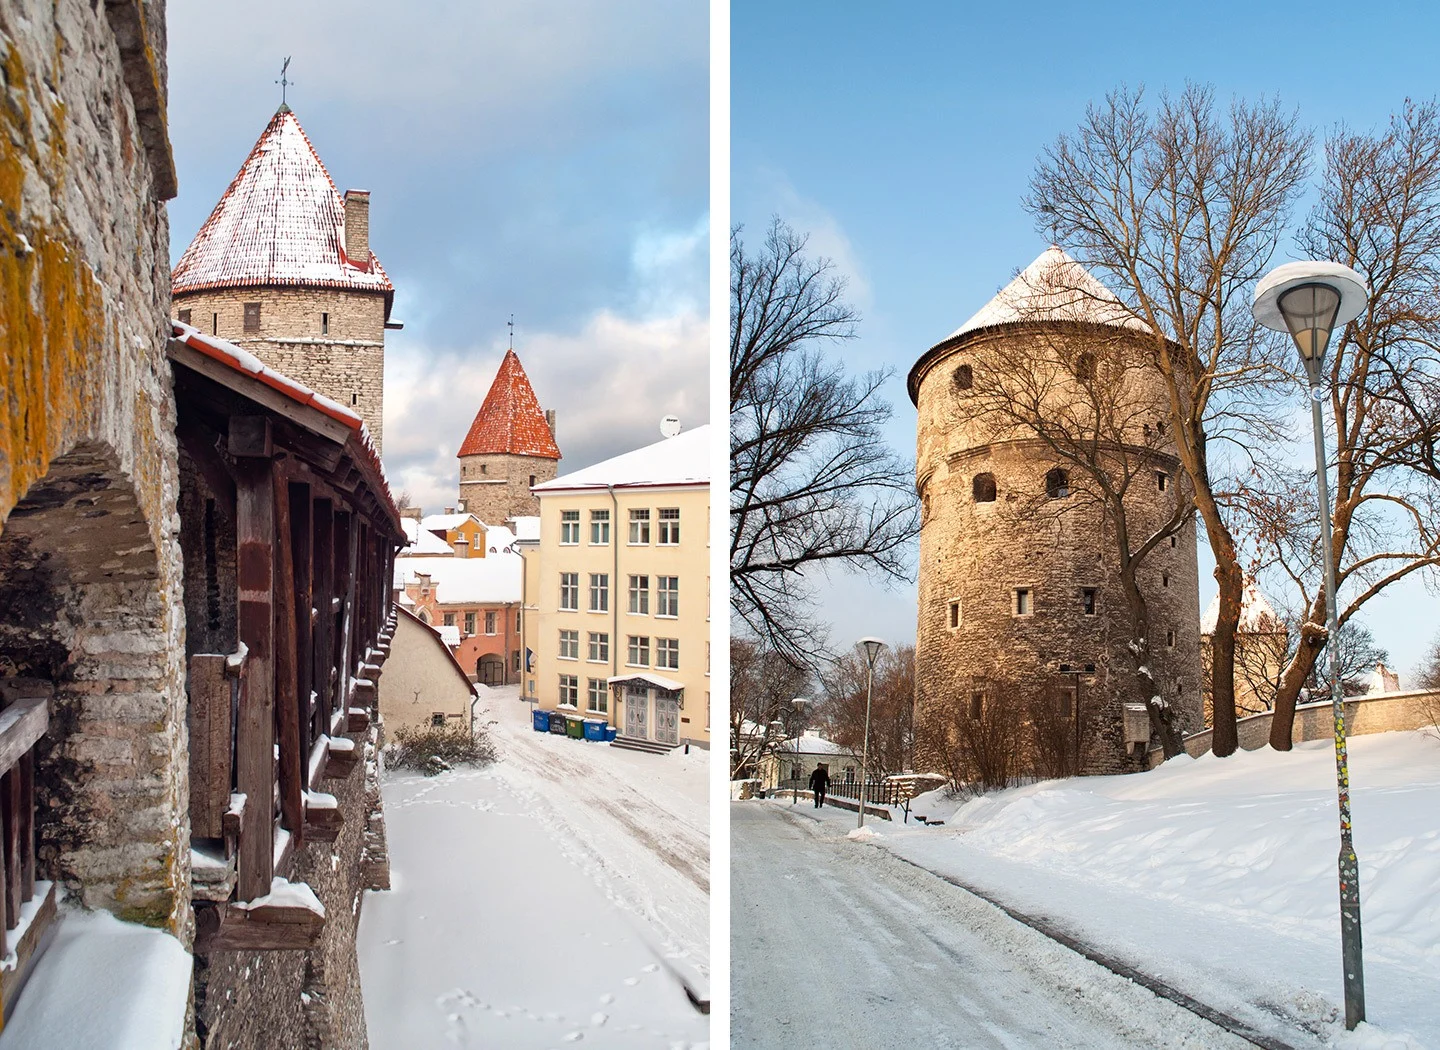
[
  {"x": 527, "y": 913},
  {"x": 835, "y": 943}
]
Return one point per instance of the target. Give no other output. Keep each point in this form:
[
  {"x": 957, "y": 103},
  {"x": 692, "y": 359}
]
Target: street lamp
[
  {"x": 1308, "y": 299},
  {"x": 798, "y": 703},
  {"x": 872, "y": 653}
]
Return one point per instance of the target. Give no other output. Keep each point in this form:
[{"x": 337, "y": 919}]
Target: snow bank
[
  {"x": 103, "y": 985},
  {"x": 866, "y": 834}
]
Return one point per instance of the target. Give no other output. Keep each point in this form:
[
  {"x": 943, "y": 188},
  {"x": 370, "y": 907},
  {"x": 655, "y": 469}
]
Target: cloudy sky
[
  {"x": 902, "y": 139},
  {"x": 546, "y": 158}
]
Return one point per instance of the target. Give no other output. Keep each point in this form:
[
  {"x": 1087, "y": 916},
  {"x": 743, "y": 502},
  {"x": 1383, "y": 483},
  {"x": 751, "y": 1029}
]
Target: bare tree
[
  {"x": 1086, "y": 392},
  {"x": 981, "y": 741},
  {"x": 812, "y": 481},
  {"x": 1379, "y": 213},
  {"x": 1181, "y": 211},
  {"x": 762, "y": 685},
  {"x": 892, "y": 714},
  {"x": 1428, "y": 674}
]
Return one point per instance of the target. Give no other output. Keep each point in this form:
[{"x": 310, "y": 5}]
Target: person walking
[{"x": 819, "y": 784}]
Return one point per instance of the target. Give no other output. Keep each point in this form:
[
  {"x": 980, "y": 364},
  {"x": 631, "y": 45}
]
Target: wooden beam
[
  {"x": 250, "y": 437},
  {"x": 323, "y": 823},
  {"x": 210, "y": 744},
  {"x": 14, "y": 884},
  {"x": 323, "y": 590},
  {"x": 228, "y": 927},
  {"x": 255, "y": 733},
  {"x": 287, "y": 700},
  {"x": 21, "y": 724},
  {"x": 341, "y": 761},
  {"x": 199, "y": 445},
  {"x": 357, "y": 720}
]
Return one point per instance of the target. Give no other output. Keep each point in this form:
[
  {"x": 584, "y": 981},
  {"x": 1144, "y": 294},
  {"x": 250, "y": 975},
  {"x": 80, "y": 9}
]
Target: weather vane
[
  {"x": 284, "y": 81},
  {"x": 511, "y": 325}
]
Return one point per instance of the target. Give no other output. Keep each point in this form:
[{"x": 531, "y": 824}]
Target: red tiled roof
[
  {"x": 281, "y": 222},
  {"x": 510, "y": 420}
]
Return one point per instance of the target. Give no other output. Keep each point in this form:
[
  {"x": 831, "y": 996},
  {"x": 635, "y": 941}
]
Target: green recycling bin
[{"x": 575, "y": 727}]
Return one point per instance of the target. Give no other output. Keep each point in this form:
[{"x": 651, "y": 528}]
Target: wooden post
[
  {"x": 255, "y": 731},
  {"x": 301, "y": 540},
  {"x": 209, "y": 690},
  {"x": 10, "y": 798},
  {"x": 324, "y": 590},
  {"x": 344, "y": 591},
  {"x": 287, "y": 702}
]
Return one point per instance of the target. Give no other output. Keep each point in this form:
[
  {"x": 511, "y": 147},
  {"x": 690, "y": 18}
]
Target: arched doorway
[
  {"x": 86, "y": 604},
  {"x": 491, "y": 669}
]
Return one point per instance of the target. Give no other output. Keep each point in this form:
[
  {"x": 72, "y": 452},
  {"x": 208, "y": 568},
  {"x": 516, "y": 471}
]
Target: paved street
[{"x": 835, "y": 942}]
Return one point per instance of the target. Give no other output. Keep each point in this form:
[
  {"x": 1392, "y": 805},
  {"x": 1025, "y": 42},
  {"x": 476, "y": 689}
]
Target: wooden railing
[{"x": 24, "y": 717}]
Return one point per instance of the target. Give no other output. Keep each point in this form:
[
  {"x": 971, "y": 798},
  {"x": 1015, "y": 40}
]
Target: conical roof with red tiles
[
  {"x": 510, "y": 421},
  {"x": 281, "y": 222}
]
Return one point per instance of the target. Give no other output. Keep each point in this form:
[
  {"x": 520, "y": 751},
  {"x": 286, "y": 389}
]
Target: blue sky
[
  {"x": 902, "y": 138},
  {"x": 546, "y": 158}
]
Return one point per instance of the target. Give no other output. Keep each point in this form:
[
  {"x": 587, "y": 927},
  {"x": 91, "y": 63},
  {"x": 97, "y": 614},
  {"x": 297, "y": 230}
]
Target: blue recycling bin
[
  {"x": 611, "y": 732},
  {"x": 594, "y": 730},
  {"x": 542, "y": 721}
]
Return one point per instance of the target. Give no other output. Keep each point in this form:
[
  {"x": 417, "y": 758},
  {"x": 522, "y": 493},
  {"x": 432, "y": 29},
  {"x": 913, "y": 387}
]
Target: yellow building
[
  {"x": 465, "y": 533},
  {"x": 617, "y": 594}
]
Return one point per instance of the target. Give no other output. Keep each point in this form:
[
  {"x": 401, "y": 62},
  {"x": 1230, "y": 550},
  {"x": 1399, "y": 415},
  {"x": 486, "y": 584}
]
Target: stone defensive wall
[{"x": 1385, "y": 713}]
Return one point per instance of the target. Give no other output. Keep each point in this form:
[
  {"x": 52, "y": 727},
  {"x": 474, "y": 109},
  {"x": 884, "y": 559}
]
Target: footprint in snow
[
  {"x": 393, "y": 941},
  {"x": 606, "y": 999},
  {"x": 651, "y": 968},
  {"x": 598, "y": 1019},
  {"x": 632, "y": 981},
  {"x": 574, "y": 1037}
]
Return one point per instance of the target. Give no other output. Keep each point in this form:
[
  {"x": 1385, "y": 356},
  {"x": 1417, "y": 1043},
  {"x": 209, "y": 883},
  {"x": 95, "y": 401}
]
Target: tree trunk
[
  {"x": 1225, "y": 738},
  {"x": 1307, "y": 651},
  {"x": 1162, "y": 717}
]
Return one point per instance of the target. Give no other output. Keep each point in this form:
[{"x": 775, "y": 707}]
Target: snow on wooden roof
[
  {"x": 424, "y": 542},
  {"x": 681, "y": 460},
  {"x": 495, "y": 579},
  {"x": 281, "y": 222},
  {"x": 1257, "y": 615},
  {"x": 1052, "y": 288},
  {"x": 510, "y": 420},
  {"x": 446, "y": 522}
]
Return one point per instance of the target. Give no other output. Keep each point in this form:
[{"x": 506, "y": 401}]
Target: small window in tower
[
  {"x": 955, "y": 614},
  {"x": 184, "y": 316},
  {"x": 1087, "y": 600},
  {"x": 484, "y": 468},
  {"x": 1160, "y": 427},
  {"x": 1024, "y": 606},
  {"x": 252, "y": 317},
  {"x": 1173, "y": 542},
  {"x": 983, "y": 488},
  {"x": 964, "y": 378},
  {"x": 1164, "y": 579},
  {"x": 1161, "y": 480},
  {"x": 1085, "y": 367},
  {"x": 214, "y": 324},
  {"x": 324, "y": 324},
  {"x": 1066, "y": 701},
  {"x": 1057, "y": 484},
  {"x": 1170, "y": 639},
  {"x": 354, "y": 399},
  {"x": 977, "y": 706},
  {"x": 532, "y": 481}
]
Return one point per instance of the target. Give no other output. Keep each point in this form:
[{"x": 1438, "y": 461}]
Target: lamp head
[
  {"x": 1308, "y": 300},
  {"x": 799, "y": 703},
  {"x": 872, "y": 649}
]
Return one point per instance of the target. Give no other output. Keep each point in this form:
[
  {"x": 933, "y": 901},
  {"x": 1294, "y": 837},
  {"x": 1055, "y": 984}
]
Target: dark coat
[{"x": 820, "y": 779}]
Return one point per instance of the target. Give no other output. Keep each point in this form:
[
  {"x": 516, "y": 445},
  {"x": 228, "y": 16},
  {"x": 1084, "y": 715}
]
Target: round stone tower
[
  {"x": 1021, "y": 610},
  {"x": 283, "y": 268}
]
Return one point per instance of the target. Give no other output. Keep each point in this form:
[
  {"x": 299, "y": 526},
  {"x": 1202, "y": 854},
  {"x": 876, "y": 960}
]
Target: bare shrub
[{"x": 434, "y": 749}]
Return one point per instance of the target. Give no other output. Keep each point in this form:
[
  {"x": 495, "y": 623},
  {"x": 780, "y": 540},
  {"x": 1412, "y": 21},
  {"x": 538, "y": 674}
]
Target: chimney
[
  {"x": 357, "y": 228},
  {"x": 550, "y": 422},
  {"x": 449, "y": 510}
]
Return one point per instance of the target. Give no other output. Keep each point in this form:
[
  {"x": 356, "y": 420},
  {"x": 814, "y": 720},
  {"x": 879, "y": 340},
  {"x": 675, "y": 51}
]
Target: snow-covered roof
[
  {"x": 446, "y": 522},
  {"x": 812, "y": 743},
  {"x": 492, "y": 580},
  {"x": 1257, "y": 615},
  {"x": 525, "y": 527},
  {"x": 645, "y": 676},
  {"x": 510, "y": 420},
  {"x": 498, "y": 537},
  {"x": 449, "y": 633},
  {"x": 1052, "y": 288},
  {"x": 681, "y": 460},
  {"x": 281, "y": 222},
  {"x": 422, "y": 541}
]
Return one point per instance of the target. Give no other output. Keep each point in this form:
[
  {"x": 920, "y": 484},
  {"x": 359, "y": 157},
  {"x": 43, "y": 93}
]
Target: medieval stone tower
[
  {"x": 283, "y": 268},
  {"x": 509, "y": 449},
  {"x": 1020, "y": 600}
]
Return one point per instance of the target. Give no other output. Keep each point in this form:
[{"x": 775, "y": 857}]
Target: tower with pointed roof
[
  {"x": 283, "y": 268},
  {"x": 509, "y": 449},
  {"x": 1020, "y": 596}
]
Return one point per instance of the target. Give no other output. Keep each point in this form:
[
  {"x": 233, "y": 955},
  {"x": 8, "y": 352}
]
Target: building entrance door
[
  {"x": 637, "y": 712},
  {"x": 667, "y": 721}
]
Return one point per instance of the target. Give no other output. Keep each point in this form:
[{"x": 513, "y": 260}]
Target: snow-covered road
[
  {"x": 540, "y": 902},
  {"x": 837, "y": 943}
]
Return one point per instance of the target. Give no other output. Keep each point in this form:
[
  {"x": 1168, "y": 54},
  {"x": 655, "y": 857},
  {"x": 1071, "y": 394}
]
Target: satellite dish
[{"x": 670, "y": 426}]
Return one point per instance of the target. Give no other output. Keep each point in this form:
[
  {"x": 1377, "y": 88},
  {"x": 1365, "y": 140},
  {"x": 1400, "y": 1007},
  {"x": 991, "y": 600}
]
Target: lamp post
[
  {"x": 798, "y": 703},
  {"x": 1074, "y": 671},
  {"x": 1308, "y": 299},
  {"x": 872, "y": 653}
]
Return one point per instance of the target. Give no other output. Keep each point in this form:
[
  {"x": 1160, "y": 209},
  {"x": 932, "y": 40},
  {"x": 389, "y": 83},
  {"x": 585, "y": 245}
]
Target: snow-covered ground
[
  {"x": 542, "y": 901},
  {"x": 1219, "y": 878},
  {"x": 837, "y": 944}
]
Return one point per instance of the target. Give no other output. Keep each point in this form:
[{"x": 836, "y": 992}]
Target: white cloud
[{"x": 827, "y": 237}]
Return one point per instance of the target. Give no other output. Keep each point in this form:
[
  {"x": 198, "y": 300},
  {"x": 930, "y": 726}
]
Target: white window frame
[
  {"x": 569, "y": 648},
  {"x": 569, "y": 528},
  {"x": 490, "y": 623},
  {"x": 569, "y": 687},
  {"x": 597, "y": 701},
  {"x": 640, "y": 527},
  {"x": 667, "y": 599},
  {"x": 599, "y": 528},
  {"x": 669, "y": 527},
  {"x": 639, "y": 595},
  {"x": 570, "y": 582},
  {"x": 599, "y": 647},
  {"x": 637, "y": 650},
  {"x": 667, "y": 654},
  {"x": 599, "y": 592}
]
